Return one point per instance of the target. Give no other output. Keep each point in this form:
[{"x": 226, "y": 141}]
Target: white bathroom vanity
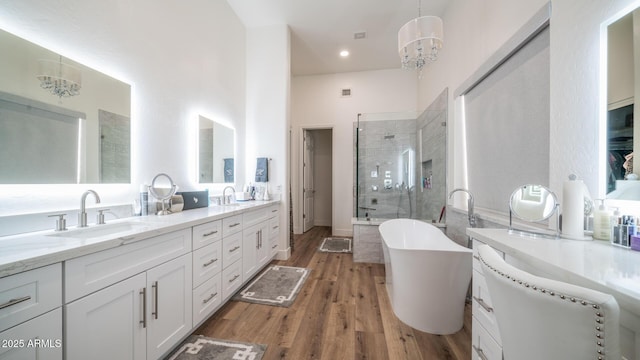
[
  {"x": 593, "y": 264},
  {"x": 131, "y": 289}
]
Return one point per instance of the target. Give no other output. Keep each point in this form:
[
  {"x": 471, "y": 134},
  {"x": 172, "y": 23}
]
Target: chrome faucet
[
  {"x": 224, "y": 194},
  {"x": 470, "y": 202},
  {"x": 82, "y": 216}
]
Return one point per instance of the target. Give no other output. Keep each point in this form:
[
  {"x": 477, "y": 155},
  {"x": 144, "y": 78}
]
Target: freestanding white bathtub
[{"x": 427, "y": 275}]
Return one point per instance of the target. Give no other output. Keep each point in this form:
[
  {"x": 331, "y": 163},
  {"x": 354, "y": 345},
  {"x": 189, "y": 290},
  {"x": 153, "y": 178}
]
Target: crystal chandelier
[
  {"x": 62, "y": 80},
  {"x": 419, "y": 41}
]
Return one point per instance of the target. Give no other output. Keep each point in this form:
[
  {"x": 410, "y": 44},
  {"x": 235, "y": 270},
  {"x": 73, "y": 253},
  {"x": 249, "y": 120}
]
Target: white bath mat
[{"x": 336, "y": 245}]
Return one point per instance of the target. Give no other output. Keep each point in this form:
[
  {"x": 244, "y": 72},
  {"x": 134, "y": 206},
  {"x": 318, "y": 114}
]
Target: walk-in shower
[
  {"x": 400, "y": 165},
  {"x": 400, "y": 172}
]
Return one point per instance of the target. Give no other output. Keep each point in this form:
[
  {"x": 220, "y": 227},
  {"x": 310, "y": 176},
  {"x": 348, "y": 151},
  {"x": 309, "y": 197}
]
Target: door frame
[{"x": 298, "y": 203}]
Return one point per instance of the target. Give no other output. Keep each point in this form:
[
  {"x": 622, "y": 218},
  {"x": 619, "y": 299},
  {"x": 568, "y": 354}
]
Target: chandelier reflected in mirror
[
  {"x": 60, "y": 79},
  {"x": 419, "y": 41}
]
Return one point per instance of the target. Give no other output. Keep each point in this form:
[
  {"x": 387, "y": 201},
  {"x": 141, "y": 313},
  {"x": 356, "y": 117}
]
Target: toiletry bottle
[
  {"x": 602, "y": 222},
  {"x": 144, "y": 200},
  {"x": 616, "y": 223}
]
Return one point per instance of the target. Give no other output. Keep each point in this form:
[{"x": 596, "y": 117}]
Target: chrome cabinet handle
[
  {"x": 210, "y": 233},
  {"x": 275, "y": 227},
  {"x": 234, "y": 278},
  {"x": 143, "y": 292},
  {"x": 155, "y": 290},
  {"x": 234, "y": 249},
  {"x": 209, "y": 298},
  {"x": 234, "y": 225},
  {"x": 209, "y": 263},
  {"x": 274, "y": 210},
  {"x": 257, "y": 240},
  {"x": 15, "y": 301},
  {"x": 479, "y": 352},
  {"x": 483, "y": 304},
  {"x": 476, "y": 257},
  {"x": 274, "y": 246}
]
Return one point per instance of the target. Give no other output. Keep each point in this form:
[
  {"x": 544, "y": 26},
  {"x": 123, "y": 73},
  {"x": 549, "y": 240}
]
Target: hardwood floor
[{"x": 342, "y": 312}]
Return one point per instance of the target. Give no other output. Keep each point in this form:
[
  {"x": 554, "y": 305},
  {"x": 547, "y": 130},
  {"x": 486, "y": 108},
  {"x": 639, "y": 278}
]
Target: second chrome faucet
[
  {"x": 82, "y": 216},
  {"x": 470, "y": 204}
]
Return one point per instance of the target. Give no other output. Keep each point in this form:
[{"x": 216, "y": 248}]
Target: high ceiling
[{"x": 321, "y": 29}]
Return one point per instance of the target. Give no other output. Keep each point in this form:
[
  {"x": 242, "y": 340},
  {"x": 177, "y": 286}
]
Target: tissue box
[
  {"x": 635, "y": 243},
  {"x": 243, "y": 196}
]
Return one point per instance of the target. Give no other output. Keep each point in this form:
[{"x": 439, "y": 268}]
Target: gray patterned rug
[
  {"x": 197, "y": 347},
  {"x": 333, "y": 244},
  {"x": 276, "y": 285}
]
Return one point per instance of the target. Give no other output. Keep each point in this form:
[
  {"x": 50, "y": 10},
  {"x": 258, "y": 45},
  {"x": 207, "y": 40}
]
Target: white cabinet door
[
  {"x": 250, "y": 244},
  {"x": 169, "y": 305},
  {"x": 255, "y": 249},
  {"x": 264, "y": 249},
  {"x": 108, "y": 324},
  {"x": 36, "y": 339}
]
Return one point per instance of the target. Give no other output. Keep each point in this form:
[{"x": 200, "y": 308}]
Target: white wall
[
  {"x": 267, "y": 125},
  {"x": 316, "y": 103},
  {"x": 181, "y": 60}
]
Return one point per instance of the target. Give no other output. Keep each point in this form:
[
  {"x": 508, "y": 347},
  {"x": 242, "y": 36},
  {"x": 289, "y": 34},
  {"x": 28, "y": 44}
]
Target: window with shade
[{"x": 506, "y": 116}]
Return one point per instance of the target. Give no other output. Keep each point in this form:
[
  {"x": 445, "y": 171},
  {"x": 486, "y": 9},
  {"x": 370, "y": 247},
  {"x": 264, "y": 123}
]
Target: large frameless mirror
[
  {"x": 623, "y": 74},
  {"x": 60, "y": 122},
  {"x": 216, "y": 146}
]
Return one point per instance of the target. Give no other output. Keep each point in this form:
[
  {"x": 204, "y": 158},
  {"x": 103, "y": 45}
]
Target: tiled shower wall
[
  {"x": 115, "y": 147},
  {"x": 431, "y": 160}
]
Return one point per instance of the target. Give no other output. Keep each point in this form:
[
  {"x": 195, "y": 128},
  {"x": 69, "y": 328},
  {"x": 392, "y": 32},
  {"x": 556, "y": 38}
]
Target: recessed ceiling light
[{"x": 344, "y": 53}]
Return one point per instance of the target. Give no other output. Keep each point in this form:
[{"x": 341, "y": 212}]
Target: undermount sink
[{"x": 95, "y": 231}]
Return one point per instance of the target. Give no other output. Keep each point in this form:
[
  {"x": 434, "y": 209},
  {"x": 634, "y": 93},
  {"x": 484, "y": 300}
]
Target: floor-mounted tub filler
[{"x": 427, "y": 275}]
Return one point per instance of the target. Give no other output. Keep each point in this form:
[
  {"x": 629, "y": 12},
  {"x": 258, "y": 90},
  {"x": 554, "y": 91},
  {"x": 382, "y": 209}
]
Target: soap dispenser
[{"x": 602, "y": 222}]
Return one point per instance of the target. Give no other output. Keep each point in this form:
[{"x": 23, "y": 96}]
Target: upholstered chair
[{"x": 539, "y": 318}]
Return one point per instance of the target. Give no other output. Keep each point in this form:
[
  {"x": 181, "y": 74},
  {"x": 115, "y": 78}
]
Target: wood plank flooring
[{"x": 342, "y": 312}]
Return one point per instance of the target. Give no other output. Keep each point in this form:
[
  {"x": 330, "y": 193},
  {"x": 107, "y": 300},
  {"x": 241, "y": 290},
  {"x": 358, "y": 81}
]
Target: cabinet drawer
[
  {"x": 39, "y": 338},
  {"x": 231, "y": 249},
  {"x": 206, "y": 234},
  {"x": 206, "y": 298},
  {"x": 482, "y": 306},
  {"x": 26, "y": 295},
  {"x": 273, "y": 210},
  {"x": 483, "y": 345},
  {"x": 93, "y": 272},
  {"x": 273, "y": 245},
  {"x": 207, "y": 261},
  {"x": 231, "y": 279},
  {"x": 231, "y": 225},
  {"x": 274, "y": 226},
  {"x": 254, "y": 217}
]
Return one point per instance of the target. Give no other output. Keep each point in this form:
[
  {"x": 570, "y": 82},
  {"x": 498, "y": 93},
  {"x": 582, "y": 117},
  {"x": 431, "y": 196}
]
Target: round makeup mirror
[
  {"x": 162, "y": 188},
  {"x": 533, "y": 203}
]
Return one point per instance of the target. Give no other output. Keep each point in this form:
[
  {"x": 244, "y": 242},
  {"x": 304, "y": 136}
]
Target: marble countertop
[
  {"x": 594, "y": 264},
  {"x": 32, "y": 250}
]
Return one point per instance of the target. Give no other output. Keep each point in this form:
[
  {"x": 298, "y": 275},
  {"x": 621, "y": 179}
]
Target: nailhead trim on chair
[{"x": 599, "y": 314}]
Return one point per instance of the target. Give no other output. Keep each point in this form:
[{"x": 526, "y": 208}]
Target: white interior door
[{"x": 307, "y": 180}]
